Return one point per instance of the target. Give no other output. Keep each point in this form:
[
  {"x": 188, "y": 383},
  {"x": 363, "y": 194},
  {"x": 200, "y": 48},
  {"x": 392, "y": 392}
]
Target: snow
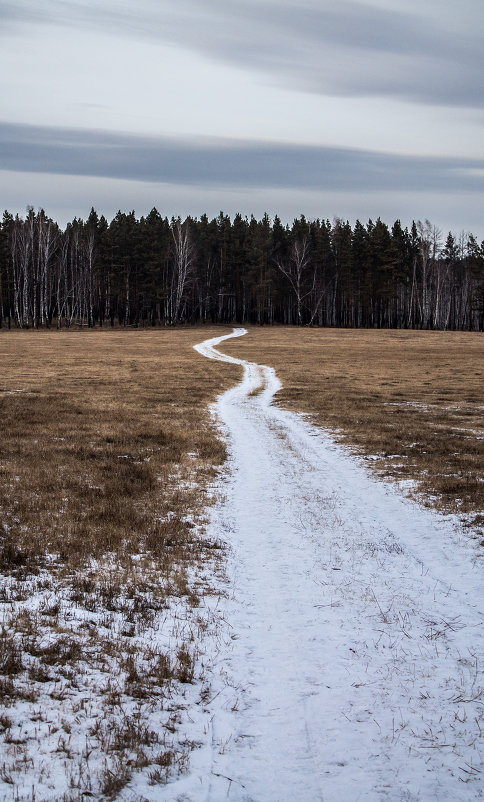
[
  {"x": 338, "y": 655},
  {"x": 352, "y": 662}
]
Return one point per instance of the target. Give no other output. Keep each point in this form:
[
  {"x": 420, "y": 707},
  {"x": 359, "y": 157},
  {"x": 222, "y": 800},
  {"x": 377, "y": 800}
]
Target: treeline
[{"x": 155, "y": 271}]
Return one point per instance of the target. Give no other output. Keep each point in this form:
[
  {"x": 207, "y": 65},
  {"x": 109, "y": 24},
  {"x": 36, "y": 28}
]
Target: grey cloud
[
  {"x": 224, "y": 163},
  {"x": 346, "y": 48},
  {"x": 21, "y": 12}
]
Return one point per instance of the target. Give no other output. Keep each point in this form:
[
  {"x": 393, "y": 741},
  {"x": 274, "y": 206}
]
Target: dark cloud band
[
  {"x": 350, "y": 48},
  {"x": 226, "y": 163}
]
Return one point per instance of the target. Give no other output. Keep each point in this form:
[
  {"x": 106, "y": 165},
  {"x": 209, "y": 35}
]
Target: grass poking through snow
[{"x": 106, "y": 456}]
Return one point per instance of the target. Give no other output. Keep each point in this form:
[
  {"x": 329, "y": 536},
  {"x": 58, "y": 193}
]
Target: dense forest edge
[{"x": 154, "y": 271}]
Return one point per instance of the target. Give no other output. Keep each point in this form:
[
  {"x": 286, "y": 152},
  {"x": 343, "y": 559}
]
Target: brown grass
[
  {"x": 94, "y": 426},
  {"x": 414, "y": 399},
  {"x": 106, "y": 453}
]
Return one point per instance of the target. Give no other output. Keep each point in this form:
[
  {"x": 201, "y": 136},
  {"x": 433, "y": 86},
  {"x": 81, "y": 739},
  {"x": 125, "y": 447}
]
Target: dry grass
[
  {"x": 413, "y": 399},
  {"x": 94, "y": 425},
  {"x": 106, "y": 453}
]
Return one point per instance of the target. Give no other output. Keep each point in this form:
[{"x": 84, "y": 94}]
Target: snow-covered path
[{"x": 353, "y": 669}]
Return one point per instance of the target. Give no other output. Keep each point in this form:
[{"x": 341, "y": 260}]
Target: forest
[{"x": 156, "y": 271}]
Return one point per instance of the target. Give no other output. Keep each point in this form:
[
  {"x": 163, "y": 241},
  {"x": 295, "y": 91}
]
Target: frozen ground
[
  {"x": 352, "y": 667},
  {"x": 338, "y": 658}
]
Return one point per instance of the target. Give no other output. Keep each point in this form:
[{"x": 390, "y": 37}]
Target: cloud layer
[
  {"x": 216, "y": 162},
  {"x": 350, "y": 48}
]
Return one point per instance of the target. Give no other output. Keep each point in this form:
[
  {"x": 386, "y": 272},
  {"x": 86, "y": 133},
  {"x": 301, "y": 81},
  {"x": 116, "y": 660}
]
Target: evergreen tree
[{"x": 153, "y": 271}]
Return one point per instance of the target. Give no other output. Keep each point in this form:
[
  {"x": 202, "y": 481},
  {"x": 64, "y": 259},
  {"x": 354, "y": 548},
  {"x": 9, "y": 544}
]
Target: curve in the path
[{"x": 353, "y": 665}]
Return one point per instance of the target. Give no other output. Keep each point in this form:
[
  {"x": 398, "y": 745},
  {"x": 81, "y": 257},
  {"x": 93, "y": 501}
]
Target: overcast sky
[{"x": 348, "y": 108}]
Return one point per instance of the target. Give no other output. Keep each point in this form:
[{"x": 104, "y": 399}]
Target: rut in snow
[{"x": 353, "y": 663}]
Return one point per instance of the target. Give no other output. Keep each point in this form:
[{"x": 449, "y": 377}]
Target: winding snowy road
[{"x": 353, "y": 668}]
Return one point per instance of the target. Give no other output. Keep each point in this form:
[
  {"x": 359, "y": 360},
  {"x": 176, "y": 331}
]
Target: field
[
  {"x": 412, "y": 402},
  {"x": 106, "y": 454},
  {"x": 106, "y": 462}
]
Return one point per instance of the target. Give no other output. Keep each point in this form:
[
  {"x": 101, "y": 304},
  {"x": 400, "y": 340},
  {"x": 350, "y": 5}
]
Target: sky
[{"x": 356, "y": 108}]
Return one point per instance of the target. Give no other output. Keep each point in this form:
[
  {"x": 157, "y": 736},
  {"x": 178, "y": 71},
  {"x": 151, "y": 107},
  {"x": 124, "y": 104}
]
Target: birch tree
[
  {"x": 295, "y": 269},
  {"x": 183, "y": 264}
]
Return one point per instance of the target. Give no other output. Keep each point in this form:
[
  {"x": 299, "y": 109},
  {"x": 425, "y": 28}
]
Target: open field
[
  {"x": 105, "y": 457},
  {"x": 412, "y": 401}
]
